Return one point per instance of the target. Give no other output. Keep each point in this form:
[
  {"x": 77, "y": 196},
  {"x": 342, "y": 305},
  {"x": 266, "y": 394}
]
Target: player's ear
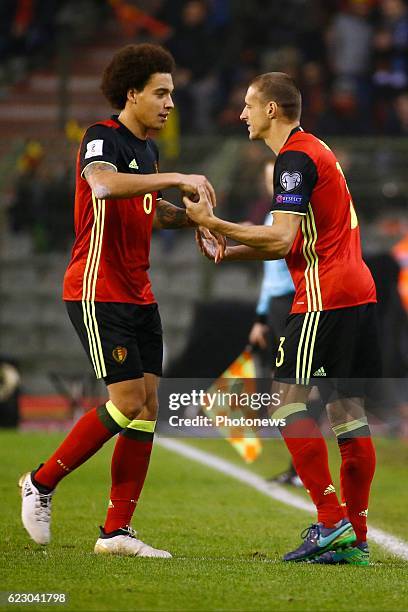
[
  {"x": 132, "y": 95},
  {"x": 271, "y": 109}
]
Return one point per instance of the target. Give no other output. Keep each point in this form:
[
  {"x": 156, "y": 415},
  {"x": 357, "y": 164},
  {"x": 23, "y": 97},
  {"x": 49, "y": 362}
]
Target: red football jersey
[
  {"x": 110, "y": 256},
  {"x": 325, "y": 261}
]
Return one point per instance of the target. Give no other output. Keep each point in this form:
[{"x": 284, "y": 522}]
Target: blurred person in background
[
  {"x": 10, "y": 389},
  {"x": 195, "y": 51},
  {"x": 400, "y": 252},
  {"x": 240, "y": 193},
  {"x": 397, "y": 123},
  {"x": 26, "y": 210},
  {"x": 40, "y": 204},
  {"x": 390, "y": 74},
  {"x": 7, "y": 12},
  {"x": 313, "y": 79},
  {"x": 349, "y": 50}
]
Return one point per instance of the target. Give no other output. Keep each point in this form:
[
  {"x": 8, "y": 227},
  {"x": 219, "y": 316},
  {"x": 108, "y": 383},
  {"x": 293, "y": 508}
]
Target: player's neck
[
  {"x": 132, "y": 124},
  {"x": 279, "y": 134}
]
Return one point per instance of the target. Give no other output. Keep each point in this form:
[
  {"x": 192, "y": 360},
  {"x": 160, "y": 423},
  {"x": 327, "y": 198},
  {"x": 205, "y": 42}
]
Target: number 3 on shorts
[{"x": 280, "y": 357}]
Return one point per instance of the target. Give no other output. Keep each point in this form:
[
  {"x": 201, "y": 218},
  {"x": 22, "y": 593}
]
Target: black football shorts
[
  {"x": 122, "y": 341},
  {"x": 341, "y": 344}
]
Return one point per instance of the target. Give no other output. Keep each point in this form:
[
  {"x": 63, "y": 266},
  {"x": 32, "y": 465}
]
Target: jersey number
[
  {"x": 280, "y": 357},
  {"x": 148, "y": 203},
  {"x": 353, "y": 215}
]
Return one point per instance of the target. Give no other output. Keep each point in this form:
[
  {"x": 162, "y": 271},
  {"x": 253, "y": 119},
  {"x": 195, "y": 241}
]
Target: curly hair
[{"x": 133, "y": 66}]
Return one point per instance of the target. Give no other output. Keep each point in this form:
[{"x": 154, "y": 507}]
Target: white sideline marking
[{"x": 275, "y": 491}]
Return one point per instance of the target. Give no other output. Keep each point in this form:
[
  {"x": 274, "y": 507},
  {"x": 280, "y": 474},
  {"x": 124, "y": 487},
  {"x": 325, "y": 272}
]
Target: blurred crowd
[
  {"x": 41, "y": 201},
  {"x": 31, "y": 31},
  {"x": 27, "y": 27},
  {"x": 350, "y": 57}
]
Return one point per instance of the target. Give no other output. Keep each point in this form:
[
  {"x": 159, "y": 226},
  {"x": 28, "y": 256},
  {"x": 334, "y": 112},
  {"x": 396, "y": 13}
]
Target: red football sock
[
  {"x": 87, "y": 436},
  {"x": 130, "y": 461},
  {"x": 310, "y": 458},
  {"x": 357, "y": 472}
]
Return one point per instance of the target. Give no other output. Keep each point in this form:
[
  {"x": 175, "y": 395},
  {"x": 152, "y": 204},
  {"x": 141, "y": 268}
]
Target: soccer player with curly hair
[{"x": 108, "y": 294}]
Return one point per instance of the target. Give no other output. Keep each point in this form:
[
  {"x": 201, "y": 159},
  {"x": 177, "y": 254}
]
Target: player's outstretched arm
[
  {"x": 257, "y": 242},
  {"x": 107, "y": 183},
  {"x": 234, "y": 253}
]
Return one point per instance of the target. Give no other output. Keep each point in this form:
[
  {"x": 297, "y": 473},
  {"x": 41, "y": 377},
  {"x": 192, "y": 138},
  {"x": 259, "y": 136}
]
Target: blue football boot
[{"x": 318, "y": 539}]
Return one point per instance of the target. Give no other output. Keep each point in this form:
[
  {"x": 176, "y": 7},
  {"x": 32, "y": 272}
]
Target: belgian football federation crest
[{"x": 119, "y": 354}]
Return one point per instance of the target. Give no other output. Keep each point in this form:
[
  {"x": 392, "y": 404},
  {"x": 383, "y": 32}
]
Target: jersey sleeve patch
[
  {"x": 294, "y": 180},
  {"x": 290, "y": 180},
  {"x": 94, "y": 148},
  {"x": 98, "y": 145}
]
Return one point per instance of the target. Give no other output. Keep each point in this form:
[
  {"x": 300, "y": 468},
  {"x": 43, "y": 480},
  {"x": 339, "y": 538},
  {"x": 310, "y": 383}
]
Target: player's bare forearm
[
  {"x": 272, "y": 242},
  {"x": 169, "y": 216},
  {"x": 106, "y": 183},
  {"x": 247, "y": 253},
  {"x": 265, "y": 242}
]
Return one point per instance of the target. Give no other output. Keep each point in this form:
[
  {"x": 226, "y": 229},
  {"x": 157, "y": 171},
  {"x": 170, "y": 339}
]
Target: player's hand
[
  {"x": 211, "y": 244},
  {"x": 190, "y": 183},
  {"x": 200, "y": 211},
  {"x": 257, "y": 335}
]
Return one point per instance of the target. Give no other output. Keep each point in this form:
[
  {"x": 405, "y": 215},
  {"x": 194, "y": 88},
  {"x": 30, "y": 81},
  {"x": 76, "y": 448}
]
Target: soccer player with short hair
[
  {"x": 108, "y": 294},
  {"x": 331, "y": 332}
]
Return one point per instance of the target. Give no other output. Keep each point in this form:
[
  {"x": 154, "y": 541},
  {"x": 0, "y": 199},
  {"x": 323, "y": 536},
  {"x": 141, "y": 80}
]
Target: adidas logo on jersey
[
  {"x": 320, "y": 372},
  {"x": 134, "y": 165},
  {"x": 329, "y": 489}
]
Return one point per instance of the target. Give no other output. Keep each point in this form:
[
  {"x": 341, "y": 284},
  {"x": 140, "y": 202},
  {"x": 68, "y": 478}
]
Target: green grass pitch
[{"x": 227, "y": 539}]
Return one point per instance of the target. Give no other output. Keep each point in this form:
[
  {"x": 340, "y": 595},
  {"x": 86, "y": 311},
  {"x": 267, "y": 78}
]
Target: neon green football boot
[{"x": 353, "y": 555}]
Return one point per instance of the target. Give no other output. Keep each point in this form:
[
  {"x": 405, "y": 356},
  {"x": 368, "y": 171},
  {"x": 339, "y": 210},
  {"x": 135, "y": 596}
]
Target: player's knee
[
  {"x": 130, "y": 405},
  {"x": 130, "y": 409}
]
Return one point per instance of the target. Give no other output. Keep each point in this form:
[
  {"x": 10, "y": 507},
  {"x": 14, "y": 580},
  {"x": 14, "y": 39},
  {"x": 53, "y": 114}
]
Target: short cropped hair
[
  {"x": 282, "y": 89},
  {"x": 132, "y": 67}
]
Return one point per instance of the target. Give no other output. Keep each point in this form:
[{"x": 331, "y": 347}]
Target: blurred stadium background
[{"x": 350, "y": 58}]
